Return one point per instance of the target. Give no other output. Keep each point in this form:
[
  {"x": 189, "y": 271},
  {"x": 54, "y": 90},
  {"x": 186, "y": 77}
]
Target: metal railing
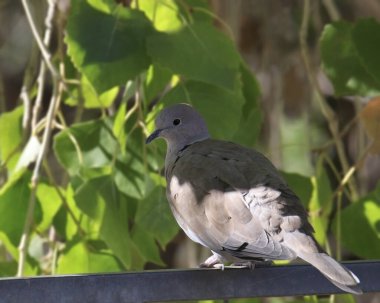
[{"x": 177, "y": 285}]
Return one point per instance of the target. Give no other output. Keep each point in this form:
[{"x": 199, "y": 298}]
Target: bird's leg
[
  {"x": 214, "y": 261},
  {"x": 251, "y": 264},
  {"x": 247, "y": 264}
]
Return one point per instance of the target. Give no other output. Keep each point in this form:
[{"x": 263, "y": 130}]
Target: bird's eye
[{"x": 176, "y": 122}]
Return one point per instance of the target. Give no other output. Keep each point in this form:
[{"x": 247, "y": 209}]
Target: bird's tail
[{"x": 333, "y": 271}]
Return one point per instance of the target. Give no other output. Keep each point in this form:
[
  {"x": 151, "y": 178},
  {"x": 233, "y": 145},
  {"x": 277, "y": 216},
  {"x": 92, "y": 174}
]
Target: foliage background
[{"x": 81, "y": 192}]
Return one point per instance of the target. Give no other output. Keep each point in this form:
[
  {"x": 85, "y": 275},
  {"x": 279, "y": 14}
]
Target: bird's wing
[{"x": 232, "y": 199}]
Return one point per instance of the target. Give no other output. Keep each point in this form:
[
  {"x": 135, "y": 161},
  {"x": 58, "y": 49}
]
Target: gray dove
[{"x": 232, "y": 200}]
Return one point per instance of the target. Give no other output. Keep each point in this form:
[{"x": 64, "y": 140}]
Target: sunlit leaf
[
  {"x": 10, "y": 135},
  {"x": 69, "y": 221},
  {"x": 360, "y": 228},
  {"x": 91, "y": 99},
  {"x": 79, "y": 258},
  {"x": 157, "y": 78},
  {"x": 50, "y": 203},
  {"x": 164, "y": 14},
  {"x": 154, "y": 216},
  {"x": 101, "y": 200},
  {"x": 321, "y": 202},
  {"x": 14, "y": 199},
  {"x": 85, "y": 145}
]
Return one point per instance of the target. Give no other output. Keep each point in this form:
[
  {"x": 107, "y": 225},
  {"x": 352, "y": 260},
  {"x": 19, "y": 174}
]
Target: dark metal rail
[{"x": 176, "y": 285}]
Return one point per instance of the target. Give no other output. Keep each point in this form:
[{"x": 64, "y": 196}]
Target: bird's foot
[
  {"x": 219, "y": 266},
  {"x": 248, "y": 264},
  {"x": 213, "y": 261}
]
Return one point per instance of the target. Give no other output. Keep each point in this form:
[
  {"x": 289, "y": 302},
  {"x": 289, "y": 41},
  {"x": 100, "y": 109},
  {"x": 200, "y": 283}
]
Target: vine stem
[{"x": 325, "y": 108}]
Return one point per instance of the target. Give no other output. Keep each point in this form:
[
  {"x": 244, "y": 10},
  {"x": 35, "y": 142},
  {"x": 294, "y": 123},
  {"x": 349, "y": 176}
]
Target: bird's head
[{"x": 179, "y": 125}]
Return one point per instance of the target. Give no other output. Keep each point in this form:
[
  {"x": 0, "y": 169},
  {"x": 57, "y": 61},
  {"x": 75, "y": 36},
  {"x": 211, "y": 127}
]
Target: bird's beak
[{"x": 153, "y": 136}]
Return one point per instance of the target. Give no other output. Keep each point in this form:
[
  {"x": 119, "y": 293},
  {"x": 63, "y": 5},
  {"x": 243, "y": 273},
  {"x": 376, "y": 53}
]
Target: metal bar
[{"x": 176, "y": 285}]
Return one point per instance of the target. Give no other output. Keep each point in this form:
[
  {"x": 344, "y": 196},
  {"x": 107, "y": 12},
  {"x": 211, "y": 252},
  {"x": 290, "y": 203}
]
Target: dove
[{"x": 232, "y": 200}]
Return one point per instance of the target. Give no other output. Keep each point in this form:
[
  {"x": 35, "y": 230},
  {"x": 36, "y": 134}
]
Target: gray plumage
[{"x": 232, "y": 200}]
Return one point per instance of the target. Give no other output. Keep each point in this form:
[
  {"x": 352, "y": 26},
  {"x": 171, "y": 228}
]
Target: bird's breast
[{"x": 186, "y": 210}]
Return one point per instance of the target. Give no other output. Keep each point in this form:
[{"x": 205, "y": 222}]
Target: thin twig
[
  {"x": 325, "y": 108},
  {"x": 54, "y": 103},
  {"x": 42, "y": 71},
  {"x": 41, "y": 45},
  {"x": 24, "y": 242},
  {"x": 27, "y": 105},
  {"x": 71, "y": 137},
  {"x": 331, "y": 9},
  {"x": 341, "y": 134},
  {"x": 354, "y": 167}
]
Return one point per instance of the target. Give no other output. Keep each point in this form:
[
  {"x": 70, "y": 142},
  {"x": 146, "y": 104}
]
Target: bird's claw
[
  {"x": 219, "y": 266},
  {"x": 249, "y": 265}
]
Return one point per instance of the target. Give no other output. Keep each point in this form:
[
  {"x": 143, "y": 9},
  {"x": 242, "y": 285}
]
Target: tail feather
[{"x": 339, "y": 275}]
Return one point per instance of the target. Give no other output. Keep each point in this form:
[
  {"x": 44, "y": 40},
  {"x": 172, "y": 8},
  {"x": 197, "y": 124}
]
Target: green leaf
[
  {"x": 65, "y": 224},
  {"x": 14, "y": 199},
  {"x": 154, "y": 216},
  {"x": 301, "y": 185},
  {"x": 366, "y": 38},
  {"x": 10, "y": 136},
  {"x": 78, "y": 258},
  {"x": 8, "y": 269},
  {"x": 129, "y": 174},
  {"x": 360, "y": 227},
  {"x": 118, "y": 125},
  {"x": 164, "y": 14},
  {"x": 87, "y": 145},
  {"x": 222, "y": 109},
  {"x": 91, "y": 99},
  {"x": 100, "y": 199},
  {"x": 146, "y": 245},
  {"x": 344, "y": 67},
  {"x": 250, "y": 122},
  {"x": 199, "y": 11},
  {"x": 321, "y": 202},
  {"x": 199, "y": 52},
  {"x": 129, "y": 171},
  {"x": 107, "y": 43},
  {"x": 157, "y": 78},
  {"x": 50, "y": 203}
]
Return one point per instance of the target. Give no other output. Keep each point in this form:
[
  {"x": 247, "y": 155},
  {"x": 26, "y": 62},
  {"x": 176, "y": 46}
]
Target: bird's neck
[{"x": 173, "y": 150}]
